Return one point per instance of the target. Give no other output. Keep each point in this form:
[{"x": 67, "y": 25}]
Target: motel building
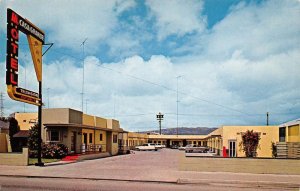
[
  {"x": 83, "y": 133},
  {"x": 226, "y": 140},
  {"x": 80, "y": 132},
  {"x": 178, "y": 140}
]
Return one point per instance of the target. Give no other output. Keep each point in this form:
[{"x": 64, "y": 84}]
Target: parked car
[
  {"x": 159, "y": 146},
  {"x": 146, "y": 147},
  {"x": 181, "y": 148},
  {"x": 174, "y": 146},
  {"x": 196, "y": 149}
]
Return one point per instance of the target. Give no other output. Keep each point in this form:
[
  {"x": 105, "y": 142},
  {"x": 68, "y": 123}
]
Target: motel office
[{"x": 78, "y": 131}]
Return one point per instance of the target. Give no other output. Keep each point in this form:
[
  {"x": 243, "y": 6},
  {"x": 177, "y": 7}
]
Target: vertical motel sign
[{"x": 35, "y": 37}]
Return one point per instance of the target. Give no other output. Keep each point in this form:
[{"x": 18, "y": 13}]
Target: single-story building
[
  {"x": 80, "y": 132},
  {"x": 229, "y": 139},
  {"x": 290, "y": 131},
  {"x": 179, "y": 140},
  {"x": 289, "y": 140}
]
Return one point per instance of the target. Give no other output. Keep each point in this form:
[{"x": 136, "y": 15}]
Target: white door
[{"x": 232, "y": 148}]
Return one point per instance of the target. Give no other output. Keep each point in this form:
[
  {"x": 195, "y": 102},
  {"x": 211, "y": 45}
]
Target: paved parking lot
[{"x": 155, "y": 167}]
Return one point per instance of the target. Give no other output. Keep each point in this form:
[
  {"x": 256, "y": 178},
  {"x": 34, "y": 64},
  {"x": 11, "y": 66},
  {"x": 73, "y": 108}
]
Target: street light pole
[
  {"x": 177, "y": 104},
  {"x": 159, "y": 117}
]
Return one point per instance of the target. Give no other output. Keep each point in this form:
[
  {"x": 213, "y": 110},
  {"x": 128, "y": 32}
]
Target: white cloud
[
  {"x": 257, "y": 30},
  {"x": 70, "y": 22},
  {"x": 248, "y": 62},
  {"x": 177, "y": 17}
]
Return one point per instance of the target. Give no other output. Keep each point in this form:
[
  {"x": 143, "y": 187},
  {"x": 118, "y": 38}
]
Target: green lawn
[{"x": 32, "y": 161}]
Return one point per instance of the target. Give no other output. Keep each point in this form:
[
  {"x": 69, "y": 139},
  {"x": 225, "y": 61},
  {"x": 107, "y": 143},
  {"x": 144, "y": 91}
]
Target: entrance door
[
  {"x": 85, "y": 139},
  {"x": 73, "y": 142},
  {"x": 232, "y": 148},
  {"x": 168, "y": 143}
]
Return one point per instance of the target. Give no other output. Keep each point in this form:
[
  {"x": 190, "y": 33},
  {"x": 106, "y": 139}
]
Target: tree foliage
[
  {"x": 13, "y": 129},
  {"x": 48, "y": 150},
  {"x": 33, "y": 138},
  {"x": 250, "y": 141}
]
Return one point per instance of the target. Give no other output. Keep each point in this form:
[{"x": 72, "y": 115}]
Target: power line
[
  {"x": 170, "y": 89},
  {"x": 162, "y": 86},
  {"x": 1, "y": 105}
]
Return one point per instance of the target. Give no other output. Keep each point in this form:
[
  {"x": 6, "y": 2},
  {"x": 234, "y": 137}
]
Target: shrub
[
  {"x": 250, "y": 142},
  {"x": 33, "y": 141},
  {"x": 54, "y": 151},
  {"x": 13, "y": 129},
  {"x": 274, "y": 150}
]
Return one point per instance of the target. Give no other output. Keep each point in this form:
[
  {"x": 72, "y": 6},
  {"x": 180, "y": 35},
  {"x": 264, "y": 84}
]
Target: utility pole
[
  {"x": 1, "y": 105},
  {"x": 267, "y": 118},
  {"x": 24, "y": 106},
  {"x": 86, "y": 106},
  {"x": 177, "y": 105},
  {"x": 82, "y": 92},
  {"x": 159, "y": 117},
  {"x": 48, "y": 97}
]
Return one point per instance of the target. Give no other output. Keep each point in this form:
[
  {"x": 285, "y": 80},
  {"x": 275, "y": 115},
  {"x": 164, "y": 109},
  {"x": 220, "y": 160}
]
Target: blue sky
[{"x": 238, "y": 60}]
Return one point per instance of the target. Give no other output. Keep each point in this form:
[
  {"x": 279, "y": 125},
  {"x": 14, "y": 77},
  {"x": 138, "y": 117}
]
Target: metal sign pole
[{"x": 40, "y": 163}]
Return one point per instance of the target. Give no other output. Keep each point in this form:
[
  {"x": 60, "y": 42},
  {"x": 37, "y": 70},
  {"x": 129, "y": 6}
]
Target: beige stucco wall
[
  {"x": 135, "y": 139},
  {"x": 3, "y": 143},
  {"x": 268, "y": 134},
  {"x": 62, "y": 115},
  {"x": 115, "y": 148},
  {"x": 88, "y": 120},
  {"x": 26, "y": 120},
  {"x": 113, "y": 124},
  {"x": 190, "y": 137},
  {"x": 14, "y": 159},
  {"x": 103, "y": 142},
  {"x": 101, "y": 122}
]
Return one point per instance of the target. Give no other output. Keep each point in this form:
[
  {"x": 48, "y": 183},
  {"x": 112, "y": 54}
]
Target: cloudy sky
[{"x": 232, "y": 61}]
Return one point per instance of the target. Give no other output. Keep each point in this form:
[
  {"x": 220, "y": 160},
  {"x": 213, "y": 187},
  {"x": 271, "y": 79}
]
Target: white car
[
  {"x": 196, "y": 149},
  {"x": 160, "y": 146},
  {"x": 146, "y": 147}
]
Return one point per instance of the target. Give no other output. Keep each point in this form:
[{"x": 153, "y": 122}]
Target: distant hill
[{"x": 184, "y": 131}]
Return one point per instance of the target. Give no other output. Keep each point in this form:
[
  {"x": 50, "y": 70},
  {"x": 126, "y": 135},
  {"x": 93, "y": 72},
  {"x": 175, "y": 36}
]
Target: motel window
[
  {"x": 91, "y": 138},
  {"x": 115, "y": 139},
  {"x": 101, "y": 137},
  {"x": 159, "y": 142},
  {"x": 54, "y": 135}
]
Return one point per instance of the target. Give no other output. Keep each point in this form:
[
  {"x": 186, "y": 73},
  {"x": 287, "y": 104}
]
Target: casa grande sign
[{"x": 35, "y": 37}]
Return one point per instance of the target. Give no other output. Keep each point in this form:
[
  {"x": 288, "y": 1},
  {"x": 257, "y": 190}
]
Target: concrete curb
[
  {"x": 239, "y": 183},
  {"x": 89, "y": 178},
  {"x": 180, "y": 181}
]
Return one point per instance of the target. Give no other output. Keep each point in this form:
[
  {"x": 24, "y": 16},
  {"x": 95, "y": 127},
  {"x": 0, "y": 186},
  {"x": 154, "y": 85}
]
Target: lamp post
[
  {"x": 177, "y": 105},
  {"x": 159, "y": 117}
]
